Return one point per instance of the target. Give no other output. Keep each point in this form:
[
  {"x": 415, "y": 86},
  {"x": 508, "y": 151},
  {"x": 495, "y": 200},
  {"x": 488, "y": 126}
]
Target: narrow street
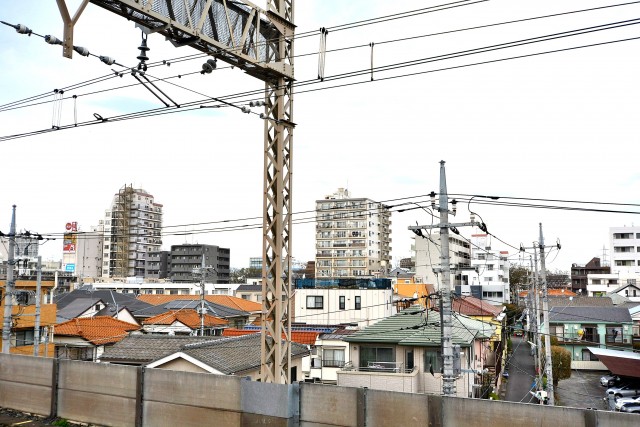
[{"x": 521, "y": 371}]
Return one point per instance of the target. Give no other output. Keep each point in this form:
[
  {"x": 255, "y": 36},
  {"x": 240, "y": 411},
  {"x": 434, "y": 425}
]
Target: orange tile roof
[
  {"x": 187, "y": 317},
  {"x": 98, "y": 330},
  {"x": 300, "y": 337},
  {"x": 226, "y": 300}
]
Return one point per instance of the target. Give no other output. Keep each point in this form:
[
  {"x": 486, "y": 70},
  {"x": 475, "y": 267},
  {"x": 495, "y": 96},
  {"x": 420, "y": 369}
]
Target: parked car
[
  {"x": 627, "y": 390},
  {"x": 624, "y": 401},
  {"x": 609, "y": 380},
  {"x": 631, "y": 408}
]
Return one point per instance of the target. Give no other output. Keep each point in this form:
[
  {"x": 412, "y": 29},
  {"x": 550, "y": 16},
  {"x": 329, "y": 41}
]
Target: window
[
  {"x": 595, "y": 282},
  {"x": 358, "y": 305},
  {"x": 333, "y": 358},
  {"x": 433, "y": 360},
  {"x": 342, "y": 302},
  {"x": 24, "y": 338},
  {"x": 370, "y": 355},
  {"x": 314, "y": 302}
]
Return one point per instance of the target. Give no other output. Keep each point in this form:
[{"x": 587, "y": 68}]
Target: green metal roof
[{"x": 414, "y": 326}]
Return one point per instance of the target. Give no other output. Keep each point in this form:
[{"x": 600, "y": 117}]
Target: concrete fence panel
[
  {"x": 97, "y": 393},
  {"x": 325, "y": 405},
  {"x": 26, "y": 383},
  {"x": 481, "y": 412},
  {"x": 385, "y": 408},
  {"x": 173, "y": 398}
]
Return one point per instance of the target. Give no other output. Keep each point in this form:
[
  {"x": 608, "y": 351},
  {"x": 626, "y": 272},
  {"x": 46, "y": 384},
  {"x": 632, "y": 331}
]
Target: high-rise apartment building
[
  {"x": 625, "y": 250},
  {"x": 132, "y": 228},
  {"x": 353, "y": 236}
]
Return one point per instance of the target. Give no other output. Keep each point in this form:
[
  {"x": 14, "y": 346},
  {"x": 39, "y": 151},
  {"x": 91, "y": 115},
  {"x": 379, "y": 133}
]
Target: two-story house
[
  {"x": 403, "y": 353},
  {"x": 578, "y": 328}
]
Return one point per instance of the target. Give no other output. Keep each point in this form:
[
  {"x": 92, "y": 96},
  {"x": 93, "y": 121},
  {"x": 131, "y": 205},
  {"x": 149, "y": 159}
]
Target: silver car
[
  {"x": 609, "y": 380},
  {"x": 628, "y": 390},
  {"x": 624, "y": 401}
]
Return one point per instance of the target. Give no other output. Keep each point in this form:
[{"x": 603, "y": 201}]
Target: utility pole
[
  {"x": 8, "y": 288},
  {"x": 36, "y": 324},
  {"x": 202, "y": 309},
  {"x": 537, "y": 322},
  {"x": 448, "y": 384},
  {"x": 545, "y": 313}
]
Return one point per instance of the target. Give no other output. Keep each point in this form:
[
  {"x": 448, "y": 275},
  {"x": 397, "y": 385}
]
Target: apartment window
[
  {"x": 358, "y": 300},
  {"x": 342, "y": 302},
  {"x": 333, "y": 358},
  {"x": 595, "y": 281},
  {"x": 314, "y": 302},
  {"x": 433, "y": 360},
  {"x": 24, "y": 338}
]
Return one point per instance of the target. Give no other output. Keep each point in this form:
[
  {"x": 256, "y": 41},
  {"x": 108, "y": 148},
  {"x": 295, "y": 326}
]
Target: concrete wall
[
  {"x": 113, "y": 395},
  {"x": 88, "y": 391},
  {"x": 26, "y": 383}
]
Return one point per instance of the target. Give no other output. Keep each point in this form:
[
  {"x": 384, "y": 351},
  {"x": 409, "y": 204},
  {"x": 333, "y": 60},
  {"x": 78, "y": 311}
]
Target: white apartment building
[
  {"x": 132, "y": 227},
  {"x": 426, "y": 253},
  {"x": 625, "y": 250},
  {"x": 600, "y": 285},
  {"x": 353, "y": 237},
  {"x": 322, "y": 306},
  {"x": 82, "y": 251},
  {"x": 488, "y": 279}
]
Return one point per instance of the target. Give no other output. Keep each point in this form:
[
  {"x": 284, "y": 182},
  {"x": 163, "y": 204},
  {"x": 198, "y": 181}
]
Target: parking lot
[{"x": 582, "y": 390}]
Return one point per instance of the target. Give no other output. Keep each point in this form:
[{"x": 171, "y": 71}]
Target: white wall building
[
  {"x": 164, "y": 288},
  {"x": 489, "y": 279},
  {"x": 352, "y": 237},
  {"x": 625, "y": 250},
  {"x": 426, "y": 253},
  {"x": 322, "y": 306}
]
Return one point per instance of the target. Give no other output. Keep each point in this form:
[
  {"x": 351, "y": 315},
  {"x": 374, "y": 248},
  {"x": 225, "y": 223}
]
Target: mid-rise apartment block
[
  {"x": 353, "y": 237},
  {"x": 488, "y": 279},
  {"x": 132, "y": 228},
  {"x": 625, "y": 250},
  {"x": 580, "y": 273},
  {"x": 426, "y": 255},
  {"x": 157, "y": 265},
  {"x": 185, "y": 259}
]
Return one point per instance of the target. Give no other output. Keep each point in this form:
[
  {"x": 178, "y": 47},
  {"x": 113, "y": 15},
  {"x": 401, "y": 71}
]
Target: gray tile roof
[
  {"x": 213, "y": 309},
  {"x": 589, "y": 315},
  {"x": 108, "y": 297},
  {"x": 146, "y": 348},
  {"x": 251, "y": 288},
  {"x": 75, "y": 308},
  {"x": 234, "y": 355}
]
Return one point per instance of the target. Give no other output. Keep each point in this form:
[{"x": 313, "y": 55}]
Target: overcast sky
[{"x": 559, "y": 126}]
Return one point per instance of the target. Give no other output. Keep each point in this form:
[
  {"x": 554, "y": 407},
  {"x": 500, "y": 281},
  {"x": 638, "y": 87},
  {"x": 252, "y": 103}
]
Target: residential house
[
  {"x": 329, "y": 354},
  {"x": 23, "y": 317},
  {"x": 140, "y": 349},
  {"x": 340, "y": 301},
  {"x": 403, "y": 353},
  {"x": 250, "y": 292},
  {"x": 227, "y": 356},
  {"x": 86, "y": 338},
  {"x": 184, "y": 321},
  {"x": 630, "y": 290},
  {"x": 88, "y": 301},
  {"x": 578, "y": 328}
]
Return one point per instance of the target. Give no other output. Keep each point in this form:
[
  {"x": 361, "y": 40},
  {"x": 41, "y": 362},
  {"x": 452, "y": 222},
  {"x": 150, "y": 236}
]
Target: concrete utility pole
[
  {"x": 8, "y": 287},
  {"x": 36, "y": 324},
  {"x": 536, "y": 300},
  {"x": 545, "y": 313},
  {"x": 448, "y": 384}
]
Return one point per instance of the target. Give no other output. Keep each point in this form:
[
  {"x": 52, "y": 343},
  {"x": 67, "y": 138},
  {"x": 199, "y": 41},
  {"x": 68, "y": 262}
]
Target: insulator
[
  {"x": 107, "y": 60},
  {"x": 245, "y": 110},
  {"x": 52, "y": 39},
  {"x": 81, "y": 50},
  {"x": 472, "y": 217},
  {"x": 433, "y": 199},
  {"x": 22, "y": 29},
  {"x": 213, "y": 63},
  {"x": 143, "y": 51},
  {"x": 262, "y": 116},
  {"x": 207, "y": 68}
]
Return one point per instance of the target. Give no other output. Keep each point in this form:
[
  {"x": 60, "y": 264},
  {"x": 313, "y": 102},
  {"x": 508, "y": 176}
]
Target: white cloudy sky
[{"x": 556, "y": 126}]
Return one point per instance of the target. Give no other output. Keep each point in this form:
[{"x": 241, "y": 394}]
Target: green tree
[
  {"x": 561, "y": 363},
  {"x": 518, "y": 279},
  {"x": 240, "y": 275}
]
